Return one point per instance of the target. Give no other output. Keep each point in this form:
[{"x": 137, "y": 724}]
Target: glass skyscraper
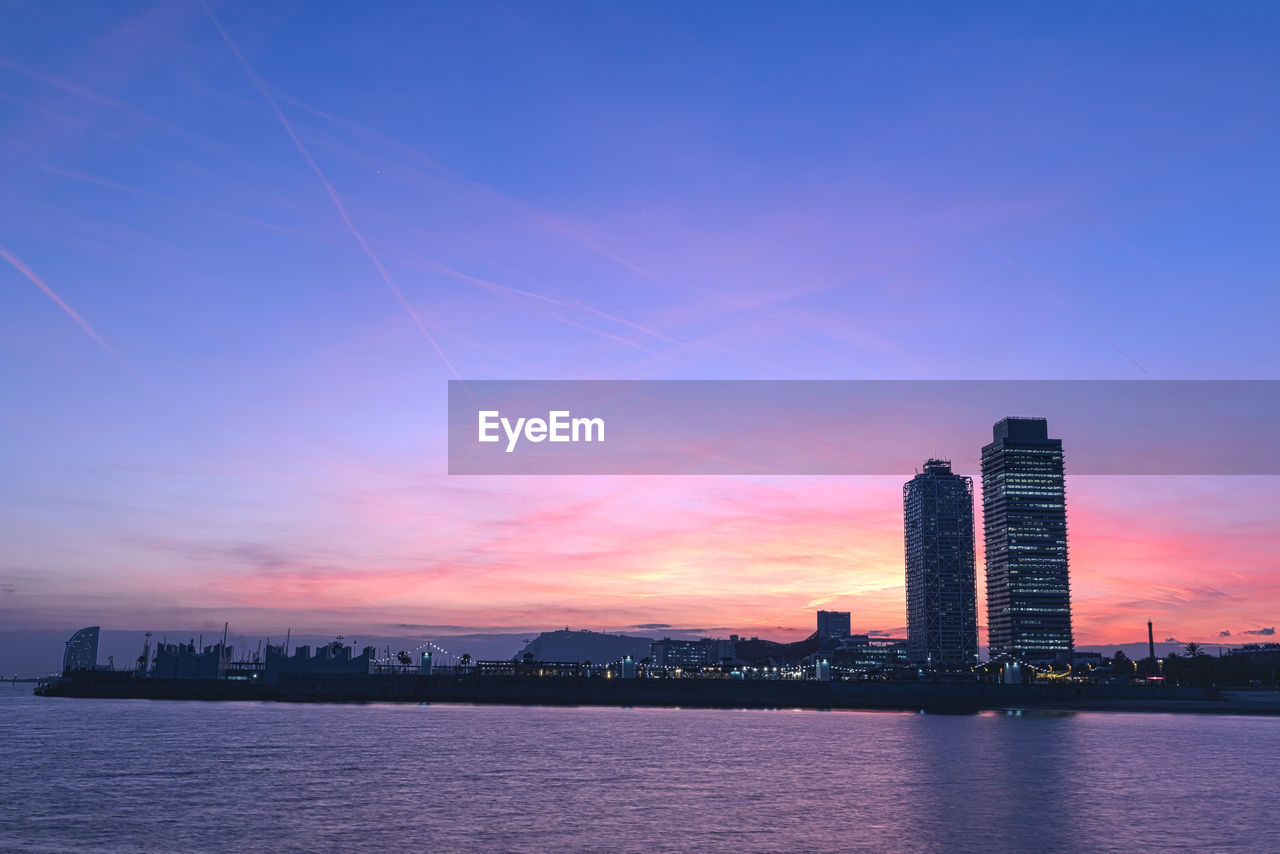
[
  {"x": 834, "y": 624},
  {"x": 81, "y": 652},
  {"x": 1025, "y": 521},
  {"x": 942, "y": 611}
]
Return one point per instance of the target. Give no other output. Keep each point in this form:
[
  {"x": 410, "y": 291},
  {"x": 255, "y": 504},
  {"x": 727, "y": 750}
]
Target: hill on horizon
[{"x": 583, "y": 645}]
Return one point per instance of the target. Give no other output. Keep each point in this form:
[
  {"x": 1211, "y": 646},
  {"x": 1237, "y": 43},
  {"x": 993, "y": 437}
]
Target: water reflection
[{"x": 91, "y": 775}]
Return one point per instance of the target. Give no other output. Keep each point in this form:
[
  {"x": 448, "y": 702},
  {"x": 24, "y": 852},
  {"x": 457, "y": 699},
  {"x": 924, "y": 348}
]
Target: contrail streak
[
  {"x": 510, "y": 291},
  {"x": 333, "y": 194},
  {"x": 107, "y": 103},
  {"x": 543, "y": 218},
  {"x": 22, "y": 268},
  {"x": 146, "y": 194},
  {"x": 574, "y": 304},
  {"x": 581, "y": 306},
  {"x": 554, "y": 223},
  {"x": 1069, "y": 310}
]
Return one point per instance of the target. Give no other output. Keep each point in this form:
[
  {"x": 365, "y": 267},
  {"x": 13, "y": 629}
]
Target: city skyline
[
  {"x": 589, "y": 426},
  {"x": 1021, "y": 430},
  {"x": 242, "y": 256}
]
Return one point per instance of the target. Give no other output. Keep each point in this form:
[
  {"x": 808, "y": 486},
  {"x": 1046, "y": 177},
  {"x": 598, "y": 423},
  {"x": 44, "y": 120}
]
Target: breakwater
[{"x": 702, "y": 693}]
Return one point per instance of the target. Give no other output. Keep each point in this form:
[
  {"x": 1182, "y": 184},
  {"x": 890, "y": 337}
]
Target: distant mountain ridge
[
  {"x": 583, "y": 645},
  {"x": 762, "y": 652}
]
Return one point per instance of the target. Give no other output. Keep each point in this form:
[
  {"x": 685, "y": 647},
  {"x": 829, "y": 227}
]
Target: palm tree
[
  {"x": 465, "y": 660},
  {"x": 1193, "y": 649},
  {"x": 404, "y": 657}
]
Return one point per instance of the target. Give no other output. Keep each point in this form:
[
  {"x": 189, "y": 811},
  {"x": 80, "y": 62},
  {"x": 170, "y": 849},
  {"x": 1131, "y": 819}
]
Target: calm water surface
[{"x": 134, "y": 775}]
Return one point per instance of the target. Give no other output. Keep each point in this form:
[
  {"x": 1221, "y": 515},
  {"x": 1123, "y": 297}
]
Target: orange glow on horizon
[{"x": 709, "y": 555}]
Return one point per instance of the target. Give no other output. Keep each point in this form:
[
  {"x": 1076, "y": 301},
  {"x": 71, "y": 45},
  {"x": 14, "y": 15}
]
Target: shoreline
[{"x": 674, "y": 693}]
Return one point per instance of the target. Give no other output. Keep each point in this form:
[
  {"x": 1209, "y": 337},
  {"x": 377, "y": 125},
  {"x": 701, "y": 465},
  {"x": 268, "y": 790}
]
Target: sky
[{"x": 243, "y": 248}]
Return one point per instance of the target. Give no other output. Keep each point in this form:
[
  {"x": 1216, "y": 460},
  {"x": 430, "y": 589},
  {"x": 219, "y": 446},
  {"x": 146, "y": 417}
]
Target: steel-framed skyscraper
[
  {"x": 942, "y": 611},
  {"x": 1025, "y": 521}
]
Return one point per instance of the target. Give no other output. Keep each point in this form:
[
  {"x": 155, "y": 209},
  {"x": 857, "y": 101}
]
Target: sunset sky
[{"x": 243, "y": 249}]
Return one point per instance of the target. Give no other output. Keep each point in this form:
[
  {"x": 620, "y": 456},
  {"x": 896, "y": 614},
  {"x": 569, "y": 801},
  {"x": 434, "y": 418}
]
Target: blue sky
[{"x": 578, "y": 191}]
